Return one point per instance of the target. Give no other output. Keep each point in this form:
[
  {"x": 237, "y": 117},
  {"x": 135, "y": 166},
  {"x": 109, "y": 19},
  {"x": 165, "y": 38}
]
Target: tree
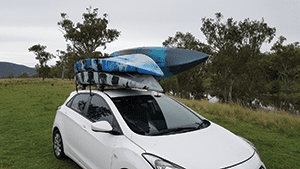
[
  {"x": 285, "y": 60},
  {"x": 42, "y": 68},
  {"x": 24, "y": 75},
  {"x": 54, "y": 71},
  {"x": 11, "y": 75},
  {"x": 236, "y": 58},
  {"x": 186, "y": 41},
  {"x": 34, "y": 76},
  {"x": 170, "y": 85},
  {"x": 189, "y": 82},
  {"x": 62, "y": 63},
  {"x": 67, "y": 60},
  {"x": 86, "y": 37}
]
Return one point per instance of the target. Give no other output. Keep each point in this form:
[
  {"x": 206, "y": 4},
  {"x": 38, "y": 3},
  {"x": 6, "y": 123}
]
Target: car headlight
[
  {"x": 251, "y": 144},
  {"x": 159, "y": 163}
]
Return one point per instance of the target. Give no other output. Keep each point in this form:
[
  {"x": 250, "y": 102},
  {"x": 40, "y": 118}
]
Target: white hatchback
[{"x": 138, "y": 129}]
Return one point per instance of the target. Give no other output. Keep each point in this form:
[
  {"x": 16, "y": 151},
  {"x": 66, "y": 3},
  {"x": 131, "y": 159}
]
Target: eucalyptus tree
[
  {"x": 87, "y": 36},
  {"x": 186, "y": 41},
  {"x": 66, "y": 61},
  {"x": 43, "y": 57},
  {"x": 286, "y": 60},
  {"x": 23, "y": 75},
  {"x": 10, "y": 75},
  {"x": 235, "y": 63}
]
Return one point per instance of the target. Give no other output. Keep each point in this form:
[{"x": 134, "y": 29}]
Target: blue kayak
[
  {"x": 171, "y": 60},
  {"x": 132, "y": 63}
]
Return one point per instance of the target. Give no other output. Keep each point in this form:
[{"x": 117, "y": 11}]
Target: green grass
[
  {"x": 28, "y": 109},
  {"x": 27, "y": 112},
  {"x": 275, "y": 134}
]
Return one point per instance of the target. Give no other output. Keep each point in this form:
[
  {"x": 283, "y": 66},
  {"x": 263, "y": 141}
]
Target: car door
[
  {"x": 73, "y": 115},
  {"x": 97, "y": 147}
]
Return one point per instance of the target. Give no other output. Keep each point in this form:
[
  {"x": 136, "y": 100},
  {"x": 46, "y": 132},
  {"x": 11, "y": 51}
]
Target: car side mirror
[{"x": 101, "y": 126}]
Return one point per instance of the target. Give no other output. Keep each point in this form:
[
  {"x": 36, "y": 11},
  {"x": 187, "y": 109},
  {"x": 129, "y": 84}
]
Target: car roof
[
  {"x": 126, "y": 92},
  {"x": 119, "y": 92}
]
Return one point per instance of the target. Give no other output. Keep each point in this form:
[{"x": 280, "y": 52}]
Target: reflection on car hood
[{"x": 212, "y": 147}]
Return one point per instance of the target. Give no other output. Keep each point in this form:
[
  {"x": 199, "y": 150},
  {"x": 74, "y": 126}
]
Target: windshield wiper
[
  {"x": 181, "y": 129},
  {"x": 174, "y": 130}
]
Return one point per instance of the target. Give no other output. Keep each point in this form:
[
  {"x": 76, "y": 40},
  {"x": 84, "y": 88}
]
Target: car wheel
[{"x": 58, "y": 145}]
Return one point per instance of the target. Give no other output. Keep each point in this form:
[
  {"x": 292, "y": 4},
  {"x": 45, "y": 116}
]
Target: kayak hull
[
  {"x": 171, "y": 60},
  {"x": 132, "y": 63}
]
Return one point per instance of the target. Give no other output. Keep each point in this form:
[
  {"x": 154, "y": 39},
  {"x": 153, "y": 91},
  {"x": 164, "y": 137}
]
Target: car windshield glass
[{"x": 148, "y": 115}]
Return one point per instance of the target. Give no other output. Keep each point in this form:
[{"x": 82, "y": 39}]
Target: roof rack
[{"x": 128, "y": 80}]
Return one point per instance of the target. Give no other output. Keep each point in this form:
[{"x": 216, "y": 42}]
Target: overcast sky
[{"x": 24, "y": 23}]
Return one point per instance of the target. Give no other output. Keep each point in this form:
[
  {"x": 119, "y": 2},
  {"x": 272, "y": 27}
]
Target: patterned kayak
[
  {"x": 171, "y": 60},
  {"x": 135, "y": 80},
  {"x": 132, "y": 63}
]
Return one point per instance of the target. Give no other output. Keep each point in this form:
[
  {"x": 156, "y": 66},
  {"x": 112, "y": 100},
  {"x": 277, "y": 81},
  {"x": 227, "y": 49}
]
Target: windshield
[{"x": 148, "y": 115}]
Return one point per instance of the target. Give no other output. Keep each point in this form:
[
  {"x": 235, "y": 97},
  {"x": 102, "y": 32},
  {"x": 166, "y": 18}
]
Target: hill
[{"x": 7, "y": 67}]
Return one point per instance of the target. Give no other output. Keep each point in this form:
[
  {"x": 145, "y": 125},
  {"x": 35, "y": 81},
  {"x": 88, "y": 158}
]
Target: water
[{"x": 286, "y": 103}]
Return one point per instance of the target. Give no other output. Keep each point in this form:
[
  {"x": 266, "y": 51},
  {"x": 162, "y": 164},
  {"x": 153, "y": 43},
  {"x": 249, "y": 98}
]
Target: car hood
[{"x": 212, "y": 147}]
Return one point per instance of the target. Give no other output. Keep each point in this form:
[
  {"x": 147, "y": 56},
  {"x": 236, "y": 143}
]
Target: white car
[{"x": 138, "y": 129}]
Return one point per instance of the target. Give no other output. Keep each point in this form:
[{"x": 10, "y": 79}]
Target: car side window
[
  {"x": 99, "y": 110},
  {"x": 79, "y": 102}
]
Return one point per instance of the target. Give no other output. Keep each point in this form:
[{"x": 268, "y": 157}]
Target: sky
[{"x": 24, "y": 23}]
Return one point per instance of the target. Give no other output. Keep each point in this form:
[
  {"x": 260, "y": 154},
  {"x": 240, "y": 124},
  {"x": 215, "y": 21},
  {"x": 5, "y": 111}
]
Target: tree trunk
[
  {"x": 63, "y": 72},
  {"x": 225, "y": 95},
  {"x": 230, "y": 92}
]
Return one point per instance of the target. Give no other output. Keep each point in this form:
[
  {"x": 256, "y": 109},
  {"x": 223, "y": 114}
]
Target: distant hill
[{"x": 6, "y": 68}]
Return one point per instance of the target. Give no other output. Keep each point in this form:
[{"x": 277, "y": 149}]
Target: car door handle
[{"x": 83, "y": 126}]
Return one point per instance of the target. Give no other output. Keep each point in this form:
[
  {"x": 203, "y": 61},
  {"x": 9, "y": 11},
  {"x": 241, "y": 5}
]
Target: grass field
[
  {"x": 275, "y": 134},
  {"x": 28, "y": 109}
]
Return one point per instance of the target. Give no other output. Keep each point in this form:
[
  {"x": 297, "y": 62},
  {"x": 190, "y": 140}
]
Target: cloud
[{"x": 24, "y": 34}]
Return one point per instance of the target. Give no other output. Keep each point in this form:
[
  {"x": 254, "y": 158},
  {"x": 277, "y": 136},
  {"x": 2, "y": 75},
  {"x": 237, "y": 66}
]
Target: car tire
[{"x": 58, "y": 145}]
